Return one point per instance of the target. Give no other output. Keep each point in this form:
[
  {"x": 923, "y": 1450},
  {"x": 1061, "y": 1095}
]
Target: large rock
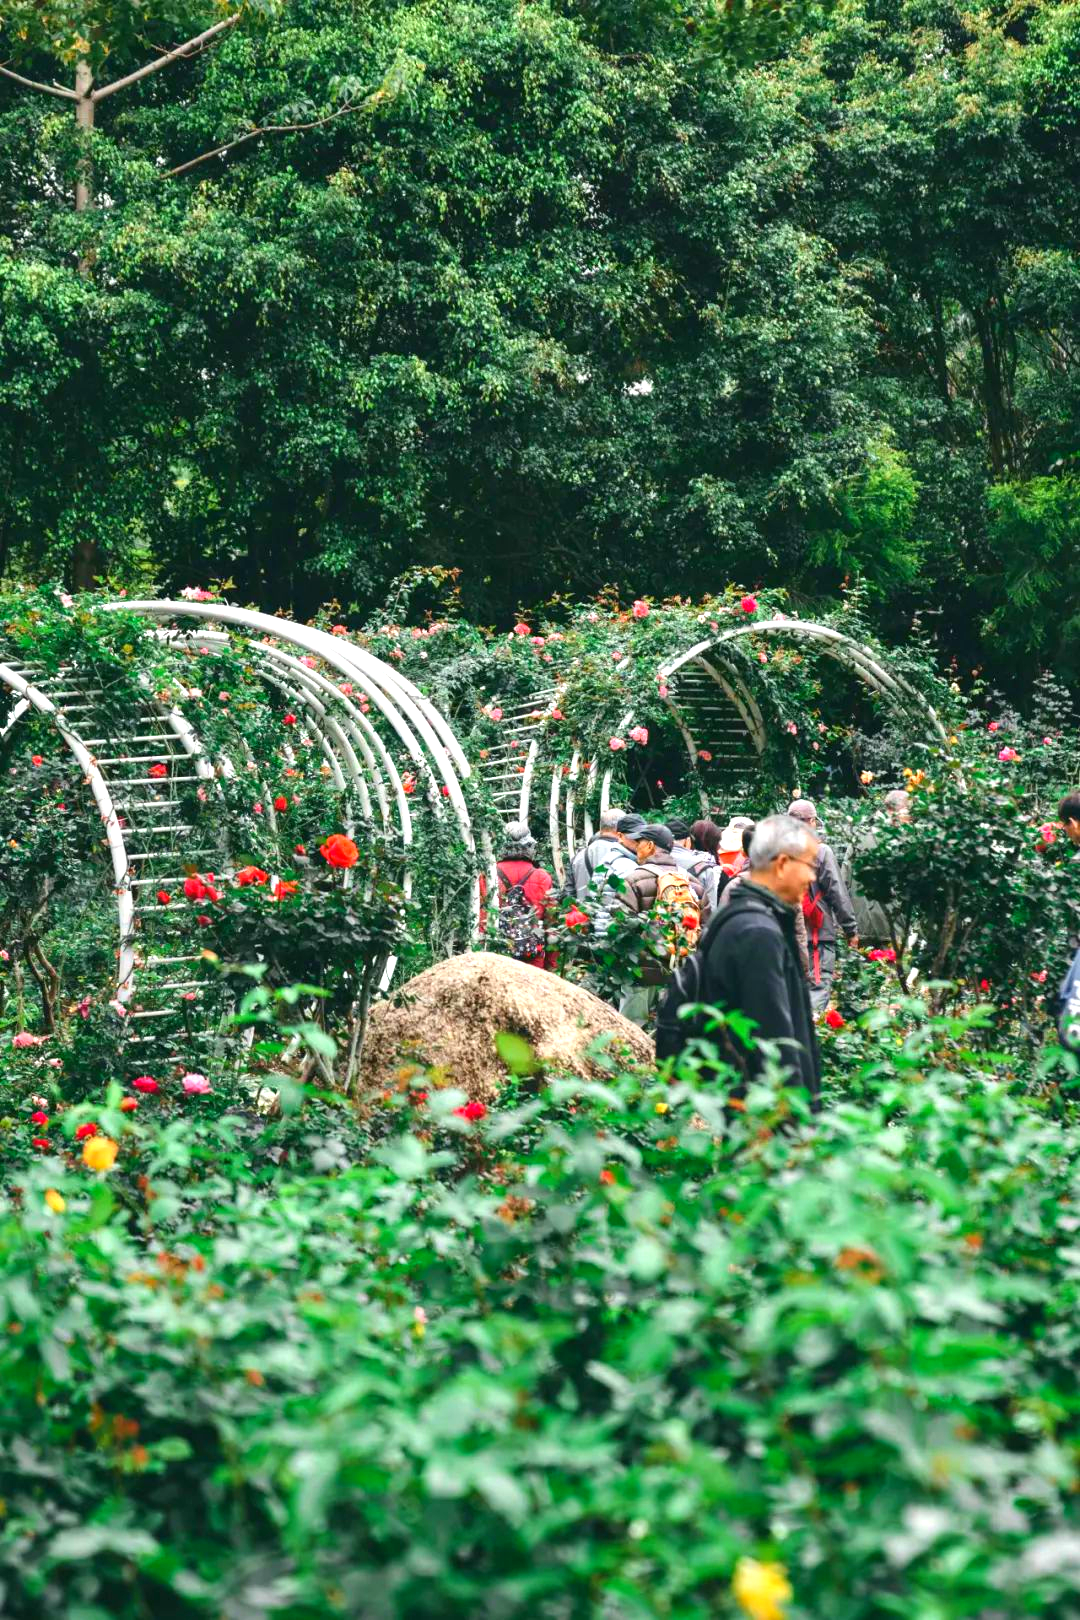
[{"x": 448, "y": 1017}]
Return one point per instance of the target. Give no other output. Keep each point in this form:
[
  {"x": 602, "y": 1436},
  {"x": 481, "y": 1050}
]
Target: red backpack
[{"x": 813, "y": 911}]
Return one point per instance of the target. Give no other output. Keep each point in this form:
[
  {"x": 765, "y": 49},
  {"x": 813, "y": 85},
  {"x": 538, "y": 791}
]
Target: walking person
[
  {"x": 705, "y": 836},
  {"x": 592, "y": 858},
  {"x": 828, "y": 910},
  {"x": 748, "y": 962},
  {"x": 875, "y": 924},
  {"x": 525, "y": 899},
  {"x": 733, "y": 885},
  {"x": 671, "y": 899},
  {"x": 694, "y": 861}
]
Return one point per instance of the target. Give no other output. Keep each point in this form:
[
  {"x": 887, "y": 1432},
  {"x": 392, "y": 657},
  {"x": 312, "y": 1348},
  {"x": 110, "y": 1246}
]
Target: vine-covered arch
[
  {"x": 177, "y": 777},
  {"x": 707, "y": 692}
]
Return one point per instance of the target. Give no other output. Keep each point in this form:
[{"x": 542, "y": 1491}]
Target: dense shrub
[{"x": 578, "y": 1357}]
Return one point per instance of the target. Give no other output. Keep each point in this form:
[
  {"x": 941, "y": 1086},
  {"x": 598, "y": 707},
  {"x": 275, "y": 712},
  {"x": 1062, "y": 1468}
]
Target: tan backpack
[{"x": 677, "y": 911}]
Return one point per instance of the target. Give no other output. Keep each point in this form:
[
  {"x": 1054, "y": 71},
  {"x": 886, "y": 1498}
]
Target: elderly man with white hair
[
  {"x": 748, "y": 962},
  {"x": 828, "y": 909}
]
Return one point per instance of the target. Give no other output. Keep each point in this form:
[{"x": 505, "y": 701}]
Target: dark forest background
[{"x": 557, "y": 294}]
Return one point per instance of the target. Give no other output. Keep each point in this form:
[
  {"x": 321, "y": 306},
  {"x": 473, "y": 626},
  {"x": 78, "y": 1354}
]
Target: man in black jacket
[{"x": 748, "y": 961}]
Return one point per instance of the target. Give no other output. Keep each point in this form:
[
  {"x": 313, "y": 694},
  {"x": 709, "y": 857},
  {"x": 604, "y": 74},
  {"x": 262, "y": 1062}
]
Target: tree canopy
[{"x": 559, "y": 295}]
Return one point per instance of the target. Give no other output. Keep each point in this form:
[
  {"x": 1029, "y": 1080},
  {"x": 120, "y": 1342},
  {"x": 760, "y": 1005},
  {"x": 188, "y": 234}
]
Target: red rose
[
  {"x": 445, "y": 791},
  {"x": 576, "y": 918},
  {"x": 690, "y": 922},
  {"x": 158, "y": 770},
  {"x": 339, "y": 851},
  {"x": 83, "y": 1131},
  {"x": 471, "y": 1110},
  {"x": 607, "y": 1178},
  {"x": 195, "y": 888},
  {"x": 203, "y": 921},
  {"x": 833, "y": 1019},
  {"x": 749, "y": 604},
  {"x": 42, "y": 1142},
  {"x": 281, "y": 803},
  {"x": 164, "y": 898},
  {"x": 298, "y": 849},
  {"x": 36, "y": 759},
  {"x": 252, "y": 874},
  {"x": 289, "y": 720},
  {"x": 146, "y": 1084},
  {"x": 284, "y": 888},
  {"x": 38, "y": 1118}
]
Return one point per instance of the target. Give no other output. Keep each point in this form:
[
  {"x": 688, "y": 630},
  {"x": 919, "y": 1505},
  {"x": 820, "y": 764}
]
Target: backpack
[
  {"x": 679, "y": 913},
  {"x": 685, "y": 990},
  {"x": 520, "y": 925},
  {"x": 813, "y": 910}
]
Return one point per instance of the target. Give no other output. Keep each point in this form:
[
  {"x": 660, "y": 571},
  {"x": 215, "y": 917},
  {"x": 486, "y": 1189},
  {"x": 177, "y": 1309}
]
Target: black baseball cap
[{"x": 659, "y": 835}]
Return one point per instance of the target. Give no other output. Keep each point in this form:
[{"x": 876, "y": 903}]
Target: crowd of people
[{"x": 744, "y": 917}]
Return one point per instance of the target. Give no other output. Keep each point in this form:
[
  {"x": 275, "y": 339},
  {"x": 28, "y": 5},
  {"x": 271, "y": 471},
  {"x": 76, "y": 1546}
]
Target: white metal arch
[
  {"x": 358, "y": 732},
  {"x": 708, "y": 657}
]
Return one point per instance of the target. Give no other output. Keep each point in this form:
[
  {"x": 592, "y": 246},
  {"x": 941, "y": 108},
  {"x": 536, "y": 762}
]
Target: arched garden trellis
[
  {"x": 713, "y": 708},
  {"x": 157, "y": 782}
]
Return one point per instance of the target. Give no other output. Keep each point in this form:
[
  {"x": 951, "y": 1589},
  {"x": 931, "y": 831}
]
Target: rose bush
[{"x": 606, "y": 1347}]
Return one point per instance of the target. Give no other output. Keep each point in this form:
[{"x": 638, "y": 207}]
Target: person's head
[
  {"x": 783, "y": 857},
  {"x": 610, "y": 818},
  {"x": 654, "y": 836},
  {"x": 629, "y": 830},
  {"x": 1069, "y": 816},
  {"x": 748, "y": 837},
  {"x": 705, "y": 835},
  {"x": 803, "y": 810},
  {"x": 897, "y": 805},
  {"x": 518, "y": 842},
  {"x": 679, "y": 830}
]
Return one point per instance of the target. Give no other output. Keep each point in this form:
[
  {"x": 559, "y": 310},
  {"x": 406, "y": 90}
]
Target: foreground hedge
[{"x": 578, "y": 1358}]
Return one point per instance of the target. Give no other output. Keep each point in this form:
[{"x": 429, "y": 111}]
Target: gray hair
[
  {"x": 778, "y": 835},
  {"x": 610, "y": 818}
]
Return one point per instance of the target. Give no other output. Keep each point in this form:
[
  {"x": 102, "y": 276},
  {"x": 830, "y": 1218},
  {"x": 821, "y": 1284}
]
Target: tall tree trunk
[
  {"x": 85, "y": 564},
  {"x": 84, "y": 117},
  {"x": 990, "y": 326}
]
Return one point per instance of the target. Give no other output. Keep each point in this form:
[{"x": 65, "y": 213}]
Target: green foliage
[
  {"x": 875, "y": 541},
  {"x": 1032, "y": 537},
  {"x": 586, "y": 1354}
]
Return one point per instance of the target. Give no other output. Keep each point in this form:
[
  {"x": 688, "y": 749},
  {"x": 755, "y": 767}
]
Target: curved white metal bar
[
  {"x": 405, "y": 709},
  {"x": 125, "y": 906}
]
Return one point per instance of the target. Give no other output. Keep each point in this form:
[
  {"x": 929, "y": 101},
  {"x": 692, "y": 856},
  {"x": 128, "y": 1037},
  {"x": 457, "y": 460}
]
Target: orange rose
[{"x": 339, "y": 851}]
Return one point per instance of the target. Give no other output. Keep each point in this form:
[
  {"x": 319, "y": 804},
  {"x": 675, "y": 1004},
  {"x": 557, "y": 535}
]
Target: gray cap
[
  {"x": 658, "y": 834},
  {"x": 802, "y": 809},
  {"x": 518, "y": 839},
  {"x": 631, "y": 826}
]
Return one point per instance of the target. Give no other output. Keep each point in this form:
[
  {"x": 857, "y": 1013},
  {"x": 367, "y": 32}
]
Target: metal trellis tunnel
[
  {"x": 358, "y": 712},
  {"x": 713, "y": 709}
]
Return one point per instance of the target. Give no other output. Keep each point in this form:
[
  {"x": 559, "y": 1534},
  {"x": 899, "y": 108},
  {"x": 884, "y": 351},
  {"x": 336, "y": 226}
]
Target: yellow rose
[
  {"x": 99, "y": 1153},
  {"x": 55, "y": 1202},
  {"x": 761, "y": 1590},
  {"x": 662, "y": 1108}
]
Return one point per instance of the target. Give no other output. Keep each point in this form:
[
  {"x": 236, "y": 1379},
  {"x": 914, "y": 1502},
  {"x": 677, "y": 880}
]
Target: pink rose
[
  {"x": 793, "y": 728},
  {"x": 640, "y": 610},
  {"x": 26, "y": 1039},
  {"x": 615, "y": 743},
  {"x": 639, "y": 734},
  {"x": 196, "y": 1085},
  {"x": 1007, "y": 755},
  {"x": 703, "y": 753},
  {"x": 995, "y": 725},
  {"x": 522, "y": 629}
]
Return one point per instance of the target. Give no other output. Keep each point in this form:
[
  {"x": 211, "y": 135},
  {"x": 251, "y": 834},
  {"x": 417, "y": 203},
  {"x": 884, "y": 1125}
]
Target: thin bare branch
[
  {"x": 188, "y": 48},
  {"x": 270, "y": 129},
  {"x": 35, "y": 84}
]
